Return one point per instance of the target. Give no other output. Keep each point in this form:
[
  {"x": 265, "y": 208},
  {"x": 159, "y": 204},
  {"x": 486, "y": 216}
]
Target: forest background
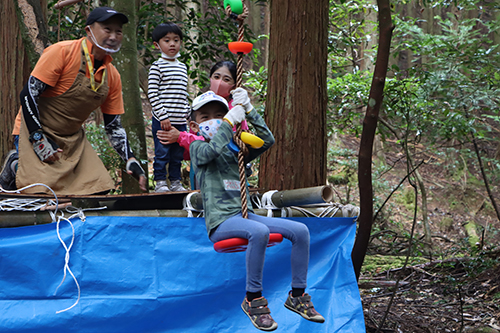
[{"x": 433, "y": 256}]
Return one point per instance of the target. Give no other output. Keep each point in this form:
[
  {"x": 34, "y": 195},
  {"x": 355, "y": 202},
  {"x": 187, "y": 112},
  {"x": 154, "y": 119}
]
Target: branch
[{"x": 65, "y": 3}]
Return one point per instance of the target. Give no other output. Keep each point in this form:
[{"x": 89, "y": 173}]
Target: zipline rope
[{"x": 237, "y": 136}]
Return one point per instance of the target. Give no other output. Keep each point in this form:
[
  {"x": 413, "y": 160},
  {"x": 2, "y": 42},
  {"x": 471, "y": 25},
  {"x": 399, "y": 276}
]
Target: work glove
[
  {"x": 136, "y": 169},
  {"x": 236, "y": 115},
  {"x": 240, "y": 97},
  {"x": 43, "y": 146}
]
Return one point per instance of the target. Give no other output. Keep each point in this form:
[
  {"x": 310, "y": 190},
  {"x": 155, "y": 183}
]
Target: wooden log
[{"x": 288, "y": 198}]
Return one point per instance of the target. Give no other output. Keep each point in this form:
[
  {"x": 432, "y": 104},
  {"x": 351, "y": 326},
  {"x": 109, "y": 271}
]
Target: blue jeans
[
  {"x": 256, "y": 229},
  {"x": 171, "y": 154}
]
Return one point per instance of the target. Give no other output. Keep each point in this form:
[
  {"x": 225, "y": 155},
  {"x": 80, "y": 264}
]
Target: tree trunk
[
  {"x": 297, "y": 98},
  {"x": 133, "y": 119},
  {"x": 259, "y": 23},
  {"x": 33, "y": 27},
  {"x": 15, "y": 63},
  {"x": 367, "y": 136},
  {"x": 366, "y": 58}
]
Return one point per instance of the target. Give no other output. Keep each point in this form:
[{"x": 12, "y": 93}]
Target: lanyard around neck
[{"x": 90, "y": 65}]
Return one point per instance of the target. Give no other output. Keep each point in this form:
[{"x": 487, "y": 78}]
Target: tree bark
[
  {"x": 133, "y": 119},
  {"x": 296, "y": 98},
  {"x": 15, "y": 62},
  {"x": 259, "y": 23},
  {"x": 367, "y": 136},
  {"x": 33, "y": 27}
]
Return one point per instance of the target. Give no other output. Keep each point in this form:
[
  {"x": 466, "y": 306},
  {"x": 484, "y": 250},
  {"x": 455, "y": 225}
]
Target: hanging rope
[
  {"x": 57, "y": 217},
  {"x": 239, "y": 77}
]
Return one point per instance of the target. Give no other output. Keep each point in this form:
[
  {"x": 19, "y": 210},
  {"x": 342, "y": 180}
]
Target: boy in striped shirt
[{"x": 167, "y": 93}]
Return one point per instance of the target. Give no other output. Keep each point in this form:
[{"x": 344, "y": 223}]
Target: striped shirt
[{"x": 167, "y": 91}]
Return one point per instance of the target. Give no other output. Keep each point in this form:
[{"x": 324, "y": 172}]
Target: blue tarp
[{"x": 162, "y": 275}]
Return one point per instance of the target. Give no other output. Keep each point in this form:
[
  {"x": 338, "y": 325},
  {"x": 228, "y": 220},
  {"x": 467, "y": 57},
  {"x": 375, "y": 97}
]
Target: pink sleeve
[
  {"x": 185, "y": 139},
  {"x": 244, "y": 126}
]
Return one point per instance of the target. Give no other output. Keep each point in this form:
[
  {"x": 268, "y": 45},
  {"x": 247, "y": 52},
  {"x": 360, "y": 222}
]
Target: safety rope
[
  {"x": 11, "y": 204},
  {"x": 239, "y": 77},
  {"x": 329, "y": 209},
  {"x": 76, "y": 212},
  {"x": 187, "y": 206}
]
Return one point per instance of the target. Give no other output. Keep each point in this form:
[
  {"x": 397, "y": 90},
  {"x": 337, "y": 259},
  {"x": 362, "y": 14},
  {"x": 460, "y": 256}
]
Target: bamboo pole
[
  {"x": 303, "y": 196},
  {"x": 287, "y": 198},
  {"x": 22, "y": 219}
]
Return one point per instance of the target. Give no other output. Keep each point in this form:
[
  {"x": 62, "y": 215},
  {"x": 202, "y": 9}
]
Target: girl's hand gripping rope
[
  {"x": 240, "y": 97},
  {"x": 235, "y": 116}
]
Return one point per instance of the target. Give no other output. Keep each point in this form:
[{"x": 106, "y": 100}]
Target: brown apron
[{"x": 79, "y": 169}]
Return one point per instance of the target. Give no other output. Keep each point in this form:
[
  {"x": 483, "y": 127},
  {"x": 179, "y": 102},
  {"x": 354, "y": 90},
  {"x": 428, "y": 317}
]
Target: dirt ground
[
  {"x": 454, "y": 286},
  {"x": 439, "y": 298}
]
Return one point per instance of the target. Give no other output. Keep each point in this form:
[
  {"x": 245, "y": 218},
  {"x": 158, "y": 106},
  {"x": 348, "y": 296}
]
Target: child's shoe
[
  {"x": 161, "y": 186},
  {"x": 304, "y": 307},
  {"x": 259, "y": 314},
  {"x": 176, "y": 186}
]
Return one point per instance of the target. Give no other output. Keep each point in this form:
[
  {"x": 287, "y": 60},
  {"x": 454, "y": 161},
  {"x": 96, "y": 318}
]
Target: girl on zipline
[{"x": 216, "y": 169}]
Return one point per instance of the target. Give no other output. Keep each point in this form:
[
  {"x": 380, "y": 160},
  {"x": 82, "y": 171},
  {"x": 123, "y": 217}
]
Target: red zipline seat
[{"x": 240, "y": 244}]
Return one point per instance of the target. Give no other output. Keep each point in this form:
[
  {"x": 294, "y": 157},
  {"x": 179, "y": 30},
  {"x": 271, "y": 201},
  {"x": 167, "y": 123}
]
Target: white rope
[
  {"x": 187, "y": 206},
  {"x": 24, "y": 204},
  {"x": 330, "y": 210},
  {"x": 37, "y": 204},
  {"x": 267, "y": 203},
  {"x": 29, "y": 205},
  {"x": 66, "y": 258},
  {"x": 77, "y": 212},
  {"x": 351, "y": 211}
]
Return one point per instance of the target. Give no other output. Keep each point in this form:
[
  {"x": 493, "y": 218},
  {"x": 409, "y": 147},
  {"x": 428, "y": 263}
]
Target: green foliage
[
  {"x": 347, "y": 96},
  {"x": 256, "y": 81},
  {"x": 342, "y": 166},
  {"x": 349, "y": 29},
  {"x": 205, "y": 35},
  {"x": 451, "y": 89},
  {"x": 109, "y": 157},
  {"x": 456, "y": 73},
  {"x": 377, "y": 263}
]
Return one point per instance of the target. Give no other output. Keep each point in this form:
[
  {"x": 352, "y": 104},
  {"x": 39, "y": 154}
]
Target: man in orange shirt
[{"x": 70, "y": 80}]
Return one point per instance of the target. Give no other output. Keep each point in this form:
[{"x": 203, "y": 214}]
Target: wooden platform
[{"x": 143, "y": 201}]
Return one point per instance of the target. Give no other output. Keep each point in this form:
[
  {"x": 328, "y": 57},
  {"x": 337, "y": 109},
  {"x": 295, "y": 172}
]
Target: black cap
[{"x": 101, "y": 14}]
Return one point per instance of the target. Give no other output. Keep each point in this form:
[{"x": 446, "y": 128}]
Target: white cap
[{"x": 208, "y": 97}]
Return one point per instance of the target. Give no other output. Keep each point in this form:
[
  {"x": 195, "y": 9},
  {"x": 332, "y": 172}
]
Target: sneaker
[
  {"x": 304, "y": 307},
  {"x": 176, "y": 186},
  {"x": 161, "y": 186},
  {"x": 259, "y": 314},
  {"x": 8, "y": 176}
]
